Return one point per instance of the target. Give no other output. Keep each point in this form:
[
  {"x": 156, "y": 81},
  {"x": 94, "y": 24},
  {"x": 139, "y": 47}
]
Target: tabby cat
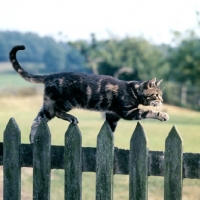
[{"x": 116, "y": 98}]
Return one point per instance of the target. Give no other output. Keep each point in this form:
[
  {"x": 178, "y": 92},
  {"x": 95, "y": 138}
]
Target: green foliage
[
  {"x": 126, "y": 58},
  {"x": 123, "y": 57},
  {"x": 54, "y": 58},
  {"x": 185, "y": 62},
  {"x": 184, "y": 57}
]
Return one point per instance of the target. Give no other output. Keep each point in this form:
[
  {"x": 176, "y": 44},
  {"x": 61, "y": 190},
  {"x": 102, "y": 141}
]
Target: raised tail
[{"x": 27, "y": 76}]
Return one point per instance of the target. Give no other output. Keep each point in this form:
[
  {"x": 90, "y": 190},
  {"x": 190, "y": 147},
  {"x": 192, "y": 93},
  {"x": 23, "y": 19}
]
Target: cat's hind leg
[
  {"x": 112, "y": 120},
  {"x": 43, "y": 114},
  {"x": 61, "y": 109},
  {"x": 66, "y": 116}
]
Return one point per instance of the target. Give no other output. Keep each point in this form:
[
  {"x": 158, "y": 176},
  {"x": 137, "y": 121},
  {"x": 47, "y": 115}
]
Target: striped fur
[{"x": 116, "y": 98}]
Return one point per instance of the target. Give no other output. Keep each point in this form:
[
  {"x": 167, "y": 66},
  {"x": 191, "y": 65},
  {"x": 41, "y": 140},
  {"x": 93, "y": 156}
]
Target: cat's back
[{"x": 71, "y": 78}]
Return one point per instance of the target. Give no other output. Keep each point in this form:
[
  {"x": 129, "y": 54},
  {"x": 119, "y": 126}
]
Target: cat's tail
[{"x": 27, "y": 76}]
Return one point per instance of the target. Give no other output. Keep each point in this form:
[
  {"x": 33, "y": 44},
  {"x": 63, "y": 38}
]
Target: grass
[
  {"x": 24, "y": 110},
  {"x": 32, "y": 67},
  {"x": 10, "y": 79},
  {"x": 13, "y": 80}
]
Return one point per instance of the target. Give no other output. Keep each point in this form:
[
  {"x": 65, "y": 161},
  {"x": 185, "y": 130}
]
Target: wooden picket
[
  {"x": 42, "y": 162},
  {"x": 73, "y": 163},
  {"x": 138, "y": 165},
  {"x": 173, "y": 166},
  {"x": 11, "y": 161},
  {"x": 104, "y": 164},
  {"x": 106, "y": 160}
]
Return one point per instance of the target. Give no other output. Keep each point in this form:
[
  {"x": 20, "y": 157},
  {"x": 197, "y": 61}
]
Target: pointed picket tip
[
  {"x": 173, "y": 172},
  {"x": 139, "y": 134},
  {"x": 42, "y": 131},
  {"x": 42, "y": 161},
  {"x": 73, "y": 162},
  {"x": 105, "y": 140},
  {"x": 104, "y": 163},
  {"x": 174, "y": 134},
  {"x": 138, "y": 164},
  {"x": 72, "y": 129},
  {"x": 12, "y": 130},
  {"x": 44, "y": 124},
  {"x": 72, "y": 135},
  {"x": 12, "y": 124},
  {"x": 107, "y": 126},
  {"x": 139, "y": 129},
  {"x": 106, "y": 130},
  {"x": 11, "y": 161},
  {"x": 12, "y": 121}
]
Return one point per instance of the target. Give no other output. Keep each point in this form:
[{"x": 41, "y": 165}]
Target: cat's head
[{"x": 149, "y": 93}]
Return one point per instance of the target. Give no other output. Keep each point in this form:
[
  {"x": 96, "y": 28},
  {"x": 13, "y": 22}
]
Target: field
[
  {"x": 9, "y": 78},
  {"x": 24, "y": 110}
]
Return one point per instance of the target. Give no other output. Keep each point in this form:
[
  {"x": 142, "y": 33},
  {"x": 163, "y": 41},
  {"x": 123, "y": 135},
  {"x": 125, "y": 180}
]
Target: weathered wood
[
  {"x": 191, "y": 165},
  {"x": 11, "y": 161},
  {"x": 105, "y": 160},
  {"x": 173, "y": 166},
  {"x": 73, "y": 163},
  {"x": 57, "y": 157},
  {"x": 42, "y": 162},
  {"x": 104, "y": 163},
  {"x": 121, "y": 161},
  {"x": 156, "y": 163},
  {"x": 88, "y": 159},
  {"x": 138, "y": 165},
  {"x": 26, "y": 155},
  {"x": 191, "y": 161}
]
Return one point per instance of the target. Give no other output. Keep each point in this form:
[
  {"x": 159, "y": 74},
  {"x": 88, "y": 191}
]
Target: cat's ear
[
  {"x": 158, "y": 82},
  {"x": 151, "y": 83}
]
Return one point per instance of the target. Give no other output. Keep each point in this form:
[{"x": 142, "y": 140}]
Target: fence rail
[{"x": 105, "y": 160}]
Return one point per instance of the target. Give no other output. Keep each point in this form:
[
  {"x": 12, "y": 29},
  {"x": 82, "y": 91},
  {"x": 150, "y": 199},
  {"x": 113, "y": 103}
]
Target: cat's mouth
[{"x": 155, "y": 103}]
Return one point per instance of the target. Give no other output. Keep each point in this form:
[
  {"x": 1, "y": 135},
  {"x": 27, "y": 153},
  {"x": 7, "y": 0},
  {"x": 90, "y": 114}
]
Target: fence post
[
  {"x": 138, "y": 165},
  {"x": 173, "y": 166},
  {"x": 73, "y": 163},
  {"x": 104, "y": 163},
  {"x": 11, "y": 161},
  {"x": 42, "y": 162}
]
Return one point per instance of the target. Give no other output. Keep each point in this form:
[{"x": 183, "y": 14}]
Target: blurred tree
[
  {"x": 184, "y": 57},
  {"x": 74, "y": 60},
  {"x": 185, "y": 62},
  {"x": 3, "y": 49},
  {"x": 92, "y": 52},
  {"x": 129, "y": 58},
  {"x": 55, "y": 55},
  {"x": 133, "y": 56}
]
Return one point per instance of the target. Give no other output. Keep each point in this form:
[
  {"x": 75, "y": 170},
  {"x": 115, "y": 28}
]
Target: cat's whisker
[{"x": 163, "y": 88}]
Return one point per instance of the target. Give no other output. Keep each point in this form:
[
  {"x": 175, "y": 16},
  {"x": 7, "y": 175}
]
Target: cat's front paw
[
  {"x": 74, "y": 120},
  {"x": 163, "y": 116}
]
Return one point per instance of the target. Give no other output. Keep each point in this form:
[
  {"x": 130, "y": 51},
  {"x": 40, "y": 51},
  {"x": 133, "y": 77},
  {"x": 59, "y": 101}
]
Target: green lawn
[
  {"x": 24, "y": 110},
  {"x": 10, "y": 79},
  {"x": 13, "y": 81}
]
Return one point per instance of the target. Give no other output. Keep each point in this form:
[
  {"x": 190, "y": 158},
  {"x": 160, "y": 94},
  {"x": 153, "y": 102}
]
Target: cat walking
[{"x": 116, "y": 98}]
